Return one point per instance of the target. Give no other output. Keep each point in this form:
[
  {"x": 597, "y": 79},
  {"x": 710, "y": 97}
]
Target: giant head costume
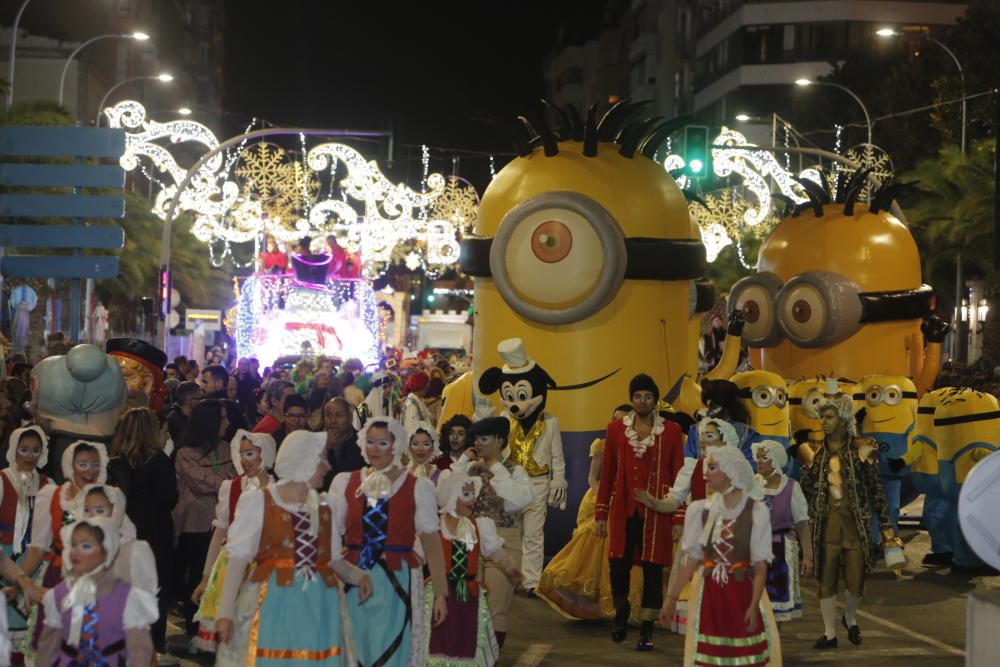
[
  {"x": 585, "y": 250},
  {"x": 838, "y": 291},
  {"x": 142, "y": 367},
  {"x": 79, "y": 395}
]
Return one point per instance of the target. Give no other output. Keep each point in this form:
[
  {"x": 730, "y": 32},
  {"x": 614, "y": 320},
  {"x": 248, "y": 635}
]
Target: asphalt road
[{"x": 917, "y": 620}]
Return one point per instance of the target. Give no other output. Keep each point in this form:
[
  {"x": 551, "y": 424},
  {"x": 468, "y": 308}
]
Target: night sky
[{"x": 426, "y": 67}]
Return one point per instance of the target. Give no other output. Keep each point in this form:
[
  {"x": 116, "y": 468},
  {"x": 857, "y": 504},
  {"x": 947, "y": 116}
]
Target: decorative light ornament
[
  {"x": 458, "y": 203},
  {"x": 384, "y": 222}
]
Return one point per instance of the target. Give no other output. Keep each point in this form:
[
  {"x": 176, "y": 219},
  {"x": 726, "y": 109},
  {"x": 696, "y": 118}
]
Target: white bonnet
[
  {"x": 262, "y": 441},
  {"x": 399, "y": 443},
  {"x": 726, "y": 430},
  {"x": 773, "y": 451},
  {"x": 15, "y": 438},
  {"x": 102, "y": 455},
  {"x": 110, "y": 543},
  {"x": 429, "y": 429},
  {"x": 300, "y": 456},
  {"x": 450, "y": 488},
  {"x": 736, "y": 467}
]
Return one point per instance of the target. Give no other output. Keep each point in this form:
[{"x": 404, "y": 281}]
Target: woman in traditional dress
[
  {"x": 83, "y": 463},
  {"x": 727, "y": 542},
  {"x": 383, "y": 510},
  {"x": 423, "y": 450},
  {"x": 253, "y": 456},
  {"x": 466, "y": 638},
  {"x": 20, "y": 483},
  {"x": 789, "y": 530},
  {"x": 290, "y": 605},
  {"x": 93, "y": 617},
  {"x": 577, "y": 581}
]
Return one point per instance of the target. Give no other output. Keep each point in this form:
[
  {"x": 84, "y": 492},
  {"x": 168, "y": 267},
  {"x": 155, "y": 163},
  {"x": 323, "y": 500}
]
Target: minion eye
[
  {"x": 893, "y": 395},
  {"x": 811, "y": 402},
  {"x": 780, "y": 397},
  {"x": 819, "y": 309},
  {"x": 762, "y": 397},
  {"x": 755, "y": 297},
  {"x": 558, "y": 258},
  {"x": 874, "y": 396}
]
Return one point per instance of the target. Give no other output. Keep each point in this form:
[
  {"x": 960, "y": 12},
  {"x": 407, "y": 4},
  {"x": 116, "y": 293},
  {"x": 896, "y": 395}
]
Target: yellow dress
[{"x": 577, "y": 581}]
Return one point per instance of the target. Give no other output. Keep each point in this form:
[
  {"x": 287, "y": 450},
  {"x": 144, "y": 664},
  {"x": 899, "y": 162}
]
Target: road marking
[
  {"x": 855, "y": 655},
  {"x": 811, "y": 636},
  {"x": 534, "y": 655},
  {"x": 948, "y": 648}
]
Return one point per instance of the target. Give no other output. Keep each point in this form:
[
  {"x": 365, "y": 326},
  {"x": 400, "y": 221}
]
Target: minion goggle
[
  {"x": 818, "y": 308},
  {"x": 964, "y": 419},
  {"x": 560, "y": 257},
  {"x": 890, "y": 394},
  {"x": 764, "y": 396}
]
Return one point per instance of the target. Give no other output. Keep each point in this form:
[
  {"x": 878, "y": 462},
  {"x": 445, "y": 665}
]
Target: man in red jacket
[{"x": 642, "y": 456}]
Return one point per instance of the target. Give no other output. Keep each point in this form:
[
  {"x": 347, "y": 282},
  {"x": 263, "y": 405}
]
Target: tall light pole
[
  {"x": 138, "y": 36},
  {"x": 957, "y": 347},
  {"x": 165, "y": 78},
  {"x": 889, "y": 32},
  {"x": 868, "y": 118},
  {"x": 13, "y": 53}
]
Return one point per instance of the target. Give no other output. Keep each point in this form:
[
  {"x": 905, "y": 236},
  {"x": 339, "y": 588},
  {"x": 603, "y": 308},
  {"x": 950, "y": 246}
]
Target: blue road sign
[
  {"x": 62, "y": 236},
  {"x": 50, "y": 266}
]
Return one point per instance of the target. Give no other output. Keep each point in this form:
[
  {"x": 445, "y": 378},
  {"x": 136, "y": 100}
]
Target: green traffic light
[{"x": 696, "y": 165}]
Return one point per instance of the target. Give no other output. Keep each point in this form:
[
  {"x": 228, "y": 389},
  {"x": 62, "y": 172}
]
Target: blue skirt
[
  {"x": 383, "y": 625},
  {"x": 17, "y": 623},
  {"x": 297, "y": 625}
]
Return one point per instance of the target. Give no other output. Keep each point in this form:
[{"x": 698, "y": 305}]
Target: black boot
[
  {"x": 619, "y": 628},
  {"x": 824, "y": 643},
  {"x": 645, "y": 637}
]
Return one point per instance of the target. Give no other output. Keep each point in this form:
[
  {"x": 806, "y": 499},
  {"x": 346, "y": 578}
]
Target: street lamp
[
  {"x": 13, "y": 53},
  {"x": 184, "y": 111},
  {"x": 868, "y": 118},
  {"x": 890, "y": 32},
  {"x": 137, "y": 36},
  {"x": 742, "y": 117},
  {"x": 165, "y": 78}
]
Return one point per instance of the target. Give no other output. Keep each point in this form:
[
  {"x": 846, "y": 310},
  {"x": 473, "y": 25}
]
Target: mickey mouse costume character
[{"x": 535, "y": 444}]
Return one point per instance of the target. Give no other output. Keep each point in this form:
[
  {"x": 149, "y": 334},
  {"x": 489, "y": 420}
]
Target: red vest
[
  {"x": 401, "y": 532},
  {"x": 8, "y": 509},
  {"x": 57, "y": 515},
  {"x": 698, "y": 490},
  {"x": 235, "y": 491}
]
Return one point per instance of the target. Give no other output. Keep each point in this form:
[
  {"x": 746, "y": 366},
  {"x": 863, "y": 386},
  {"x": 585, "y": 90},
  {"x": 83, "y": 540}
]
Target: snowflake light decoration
[
  {"x": 385, "y": 222},
  {"x": 872, "y": 158},
  {"x": 458, "y": 203}
]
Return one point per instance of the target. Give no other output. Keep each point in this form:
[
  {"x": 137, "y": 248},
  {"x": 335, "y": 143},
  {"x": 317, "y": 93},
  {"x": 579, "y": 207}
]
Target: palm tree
[{"x": 954, "y": 214}]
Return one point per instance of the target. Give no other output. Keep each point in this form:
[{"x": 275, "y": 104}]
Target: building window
[{"x": 788, "y": 41}]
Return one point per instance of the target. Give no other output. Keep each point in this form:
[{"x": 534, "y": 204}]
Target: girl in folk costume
[
  {"x": 288, "y": 612},
  {"x": 506, "y": 491},
  {"x": 689, "y": 486},
  {"x": 727, "y": 542},
  {"x": 383, "y": 509},
  {"x": 577, "y": 581},
  {"x": 466, "y": 638},
  {"x": 92, "y": 617},
  {"x": 789, "y": 529},
  {"x": 134, "y": 563},
  {"x": 253, "y": 455},
  {"x": 19, "y": 486},
  {"x": 424, "y": 449},
  {"x": 83, "y": 463}
]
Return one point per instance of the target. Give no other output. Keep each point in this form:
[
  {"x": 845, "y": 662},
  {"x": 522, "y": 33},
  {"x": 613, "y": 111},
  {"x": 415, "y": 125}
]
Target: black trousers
[
  {"x": 192, "y": 549},
  {"x": 621, "y": 568}
]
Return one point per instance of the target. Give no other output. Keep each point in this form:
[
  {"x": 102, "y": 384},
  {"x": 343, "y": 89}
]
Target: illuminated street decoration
[{"x": 237, "y": 199}]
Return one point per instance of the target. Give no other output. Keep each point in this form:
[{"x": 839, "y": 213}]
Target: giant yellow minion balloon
[
  {"x": 585, "y": 250},
  {"x": 967, "y": 424},
  {"x": 838, "y": 291}
]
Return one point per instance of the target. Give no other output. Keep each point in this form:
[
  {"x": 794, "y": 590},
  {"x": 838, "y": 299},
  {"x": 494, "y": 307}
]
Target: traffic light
[{"x": 697, "y": 151}]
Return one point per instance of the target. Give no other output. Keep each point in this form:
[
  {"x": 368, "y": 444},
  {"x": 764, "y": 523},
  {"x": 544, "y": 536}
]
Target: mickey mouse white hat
[{"x": 516, "y": 360}]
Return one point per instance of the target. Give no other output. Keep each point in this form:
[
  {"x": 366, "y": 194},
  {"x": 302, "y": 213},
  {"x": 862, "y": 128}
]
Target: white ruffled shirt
[
  {"x": 243, "y": 538},
  {"x": 141, "y": 610},
  {"x": 760, "y": 533},
  {"x": 640, "y": 445},
  {"x": 221, "y": 520},
  {"x": 489, "y": 542},
  {"x": 514, "y": 487}
]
